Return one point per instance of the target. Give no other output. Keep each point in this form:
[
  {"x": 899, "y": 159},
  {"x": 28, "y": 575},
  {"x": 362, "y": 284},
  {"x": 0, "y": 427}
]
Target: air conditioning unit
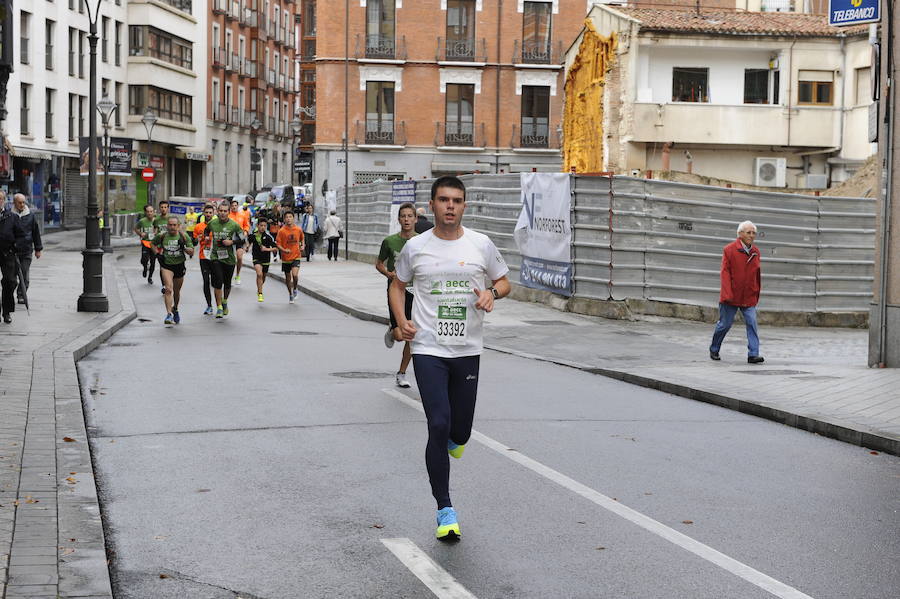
[
  {"x": 770, "y": 172},
  {"x": 816, "y": 181}
]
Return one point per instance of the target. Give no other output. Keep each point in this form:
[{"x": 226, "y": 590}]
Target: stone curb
[{"x": 813, "y": 423}]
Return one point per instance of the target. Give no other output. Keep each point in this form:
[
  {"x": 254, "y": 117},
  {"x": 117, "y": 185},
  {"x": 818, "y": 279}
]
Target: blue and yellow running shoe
[
  {"x": 455, "y": 450},
  {"x": 448, "y": 527}
]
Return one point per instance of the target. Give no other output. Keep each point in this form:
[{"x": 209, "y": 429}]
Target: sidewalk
[
  {"x": 815, "y": 379},
  {"x": 51, "y": 536}
]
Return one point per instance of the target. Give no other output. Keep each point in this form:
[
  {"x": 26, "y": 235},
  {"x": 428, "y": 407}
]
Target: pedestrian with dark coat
[
  {"x": 422, "y": 222},
  {"x": 30, "y": 244},
  {"x": 10, "y": 234},
  {"x": 741, "y": 282}
]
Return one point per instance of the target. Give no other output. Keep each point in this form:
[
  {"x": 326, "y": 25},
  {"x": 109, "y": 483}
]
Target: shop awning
[{"x": 29, "y": 153}]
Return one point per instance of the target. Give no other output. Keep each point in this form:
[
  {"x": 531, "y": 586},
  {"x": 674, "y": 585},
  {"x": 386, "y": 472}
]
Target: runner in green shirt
[
  {"x": 161, "y": 222},
  {"x": 172, "y": 246},
  {"x": 223, "y": 231},
  {"x": 146, "y": 230},
  {"x": 390, "y": 249}
]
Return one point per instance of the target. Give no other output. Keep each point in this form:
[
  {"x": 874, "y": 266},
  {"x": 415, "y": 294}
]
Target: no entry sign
[{"x": 147, "y": 174}]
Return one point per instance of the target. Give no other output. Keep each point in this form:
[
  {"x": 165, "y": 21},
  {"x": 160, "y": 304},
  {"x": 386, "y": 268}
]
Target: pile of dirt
[{"x": 863, "y": 183}]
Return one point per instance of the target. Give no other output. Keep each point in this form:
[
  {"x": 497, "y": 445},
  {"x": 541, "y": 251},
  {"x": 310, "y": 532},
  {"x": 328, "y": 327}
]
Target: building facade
[
  {"x": 449, "y": 86},
  {"x": 166, "y": 67},
  {"x": 251, "y": 93},
  {"x": 774, "y": 100},
  {"x": 47, "y": 101}
]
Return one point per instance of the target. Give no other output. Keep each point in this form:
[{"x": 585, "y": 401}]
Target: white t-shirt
[{"x": 445, "y": 275}]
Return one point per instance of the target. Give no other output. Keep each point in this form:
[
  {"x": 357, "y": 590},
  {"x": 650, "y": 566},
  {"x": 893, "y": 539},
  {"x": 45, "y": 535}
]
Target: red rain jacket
[{"x": 741, "y": 275}]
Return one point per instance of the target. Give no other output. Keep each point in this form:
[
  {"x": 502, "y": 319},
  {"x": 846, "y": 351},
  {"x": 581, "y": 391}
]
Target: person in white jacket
[{"x": 333, "y": 230}]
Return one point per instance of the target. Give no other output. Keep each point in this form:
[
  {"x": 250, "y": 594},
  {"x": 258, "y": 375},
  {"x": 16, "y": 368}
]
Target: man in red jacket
[{"x": 741, "y": 282}]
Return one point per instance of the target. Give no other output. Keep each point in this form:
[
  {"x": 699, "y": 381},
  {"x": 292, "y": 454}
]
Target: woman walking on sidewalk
[{"x": 333, "y": 230}]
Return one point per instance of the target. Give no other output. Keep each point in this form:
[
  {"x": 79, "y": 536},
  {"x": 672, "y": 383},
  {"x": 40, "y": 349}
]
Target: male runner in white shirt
[{"x": 457, "y": 274}]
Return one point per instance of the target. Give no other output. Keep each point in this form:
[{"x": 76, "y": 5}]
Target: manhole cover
[
  {"x": 771, "y": 372},
  {"x": 548, "y": 323},
  {"x": 293, "y": 333},
  {"x": 123, "y": 344},
  {"x": 361, "y": 374}
]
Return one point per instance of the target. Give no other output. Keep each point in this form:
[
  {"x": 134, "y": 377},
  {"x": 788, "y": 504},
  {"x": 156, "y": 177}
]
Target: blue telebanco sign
[{"x": 853, "y": 12}]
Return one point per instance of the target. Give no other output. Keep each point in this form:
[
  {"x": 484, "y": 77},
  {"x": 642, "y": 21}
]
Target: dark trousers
[
  {"x": 310, "y": 239},
  {"x": 25, "y": 261},
  {"x": 448, "y": 387},
  {"x": 148, "y": 260},
  {"x": 8, "y": 282},
  {"x": 206, "y": 272},
  {"x": 333, "y": 247}
]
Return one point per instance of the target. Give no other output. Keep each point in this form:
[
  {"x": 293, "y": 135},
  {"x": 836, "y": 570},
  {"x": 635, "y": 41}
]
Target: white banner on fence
[{"x": 543, "y": 232}]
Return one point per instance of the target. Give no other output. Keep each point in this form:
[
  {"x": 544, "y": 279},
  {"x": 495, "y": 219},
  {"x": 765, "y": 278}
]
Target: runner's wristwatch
[{"x": 493, "y": 291}]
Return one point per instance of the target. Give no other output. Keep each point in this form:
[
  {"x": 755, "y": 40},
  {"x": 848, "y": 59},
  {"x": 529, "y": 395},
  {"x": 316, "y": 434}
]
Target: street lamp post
[
  {"x": 254, "y": 131},
  {"x": 106, "y": 108},
  {"x": 149, "y": 120},
  {"x": 296, "y": 125},
  {"x": 92, "y": 298}
]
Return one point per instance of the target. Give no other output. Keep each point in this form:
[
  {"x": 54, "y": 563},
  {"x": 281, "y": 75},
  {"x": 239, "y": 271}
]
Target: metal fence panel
[{"x": 661, "y": 240}]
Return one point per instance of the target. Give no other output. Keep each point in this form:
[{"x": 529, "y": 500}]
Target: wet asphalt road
[{"x": 260, "y": 457}]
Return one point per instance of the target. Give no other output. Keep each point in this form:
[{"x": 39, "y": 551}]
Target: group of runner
[
  {"x": 222, "y": 234},
  {"x": 441, "y": 282}
]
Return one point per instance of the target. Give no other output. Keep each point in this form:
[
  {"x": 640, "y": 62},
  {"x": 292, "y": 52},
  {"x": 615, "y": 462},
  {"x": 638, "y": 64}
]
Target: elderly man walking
[
  {"x": 11, "y": 234},
  {"x": 28, "y": 245},
  {"x": 740, "y": 286}
]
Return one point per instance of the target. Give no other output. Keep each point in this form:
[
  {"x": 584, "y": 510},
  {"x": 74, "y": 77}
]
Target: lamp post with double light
[
  {"x": 92, "y": 298},
  {"x": 149, "y": 120},
  {"x": 106, "y": 108},
  {"x": 296, "y": 125},
  {"x": 254, "y": 151}
]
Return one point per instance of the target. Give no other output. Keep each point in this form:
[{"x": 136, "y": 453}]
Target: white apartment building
[
  {"x": 769, "y": 99},
  {"x": 146, "y": 59},
  {"x": 47, "y": 99},
  {"x": 167, "y": 75}
]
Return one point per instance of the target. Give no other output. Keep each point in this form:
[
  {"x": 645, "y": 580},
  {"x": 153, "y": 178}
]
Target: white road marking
[
  {"x": 755, "y": 577},
  {"x": 427, "y": 570}
]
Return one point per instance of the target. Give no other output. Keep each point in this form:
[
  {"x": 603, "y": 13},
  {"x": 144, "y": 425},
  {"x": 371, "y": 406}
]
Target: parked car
[{"x": 284, "y": 193}]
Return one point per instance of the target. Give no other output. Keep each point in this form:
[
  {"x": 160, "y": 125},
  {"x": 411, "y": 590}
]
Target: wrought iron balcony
[
  {"x": 220, "y": 7},
  {"x": 461, "y": 134},
  {"x": 220, "y": 57},
  {"x": 380, "y": 132},
  {"x": 381, "y": 47},
  {"x": 247, "y": 117},
  {"x": 537, "y": 52},
  {"x": 248, "y": 68},
  {"x": 220, "y": 114},
  {"x": 462, "y": 50},
  {"x": 233, "y": 10},
  {"x": 249, "y": 17},
  {"x": 534, "y": 136}
]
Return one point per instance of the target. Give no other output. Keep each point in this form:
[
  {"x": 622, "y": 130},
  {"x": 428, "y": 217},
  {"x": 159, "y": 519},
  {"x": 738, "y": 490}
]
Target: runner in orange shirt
[
  {"x": 242, "y": 218},
  {"x": 203, "y": 242},
  {"x": 290, "y": 243}
]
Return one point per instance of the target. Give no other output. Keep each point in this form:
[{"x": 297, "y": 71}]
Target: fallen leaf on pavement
[
  {"x": 163, "y": 576},
  {"x": 68, "y": 551},
  {"x": 687, "y": 521},
  {"x": 68, "y": 439},
  {"x": 71, "y": 480},
  {"x": 874, "y": 452},
  {"x": 378, "y": 526},
  {"x": 600, "y": 548}
]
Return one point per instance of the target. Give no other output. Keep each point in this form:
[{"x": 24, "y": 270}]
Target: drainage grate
[
  {"x": 361, "y": 374},
  {"x": 771, "y": 372},
  {"x": 817, "y": 377},
  {"x": 549, "y": 323},
  {"x": 293, "y": 333},
  {"x": 123, "y": 344}
]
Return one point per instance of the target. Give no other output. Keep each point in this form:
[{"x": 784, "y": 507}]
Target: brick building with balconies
[
  {"x": 449, "y": 86},
  {"x": 251, "y": 92}
]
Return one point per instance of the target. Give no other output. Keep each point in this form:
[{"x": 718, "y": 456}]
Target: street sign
[
  {"x": 842, "y": 13},
  {"x": 147, "y": 174}
]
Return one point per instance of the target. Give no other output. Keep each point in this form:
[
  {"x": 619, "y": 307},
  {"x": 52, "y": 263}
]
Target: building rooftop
[{"x": 724, "y": 22}]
